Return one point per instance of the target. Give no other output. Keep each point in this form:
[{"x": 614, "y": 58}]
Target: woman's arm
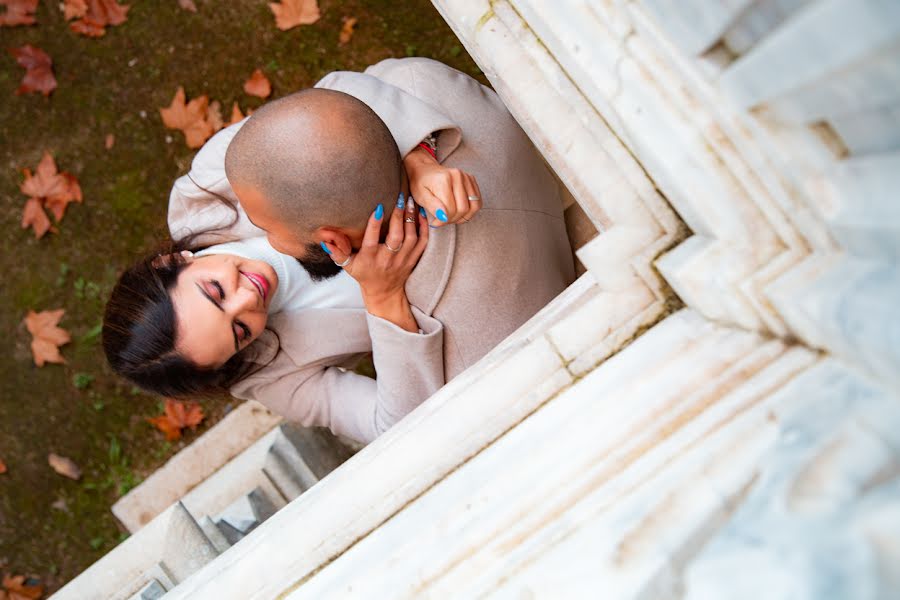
[{"x": 410, "y": 368}]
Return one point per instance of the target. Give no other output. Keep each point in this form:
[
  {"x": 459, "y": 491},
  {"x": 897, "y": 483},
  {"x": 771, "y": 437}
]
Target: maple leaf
[
  {"x": 18, "y": 12},
  {"x": 94, "y": 15},
  {"x": 177, "y": 416},
  {"x": 64, "y": 466},
  {"x": 47, "y": 336},
  {"x": 346, "y": 30},
  {"x": 74, "y": 9},
  {"x": 192, "y": 118},
  {"x": 236, "y": 114},
  {"x": 34, "y": 216},
  {"x": 290, "y": 13},
  {"x": 38, "y": 70},
  {"x": 258, "y": 85},
  {"x": 17, "y": 590},
  {"x": 56, "y": 189}
]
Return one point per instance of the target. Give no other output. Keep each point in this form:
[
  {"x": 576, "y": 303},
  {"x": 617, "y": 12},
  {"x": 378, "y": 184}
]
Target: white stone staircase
[{"x": 740, "y": 157}]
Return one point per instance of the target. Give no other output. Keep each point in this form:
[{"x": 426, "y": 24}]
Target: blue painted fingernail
[
  {"x": 422, "y": 212},
  {"x": 441, "y": 215},
  {"x": 325, "y": 248},
  {"x": 379, "y": 212},
  {"x": 400, "y": 202}
]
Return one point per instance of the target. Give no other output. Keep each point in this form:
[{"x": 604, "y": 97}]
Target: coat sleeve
[
  {"x": 195, "y": 203},
  {"x": 410, "y": 368}
]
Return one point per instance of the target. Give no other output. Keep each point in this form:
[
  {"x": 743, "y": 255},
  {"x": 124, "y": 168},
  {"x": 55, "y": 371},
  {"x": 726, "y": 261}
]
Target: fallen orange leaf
[
  {"x": 192, "y": 118},
  {"x": 346, "y": 30},
  {"x": 34, "y": 216},
  {"x": 177, "y": 416},
  {"x": 109, "y": 141},
  {"x": 94, "y": 15},
  {"x": 258, "y": 85},
  {"x": 290, "y": 13},
  {"x": 47, "y": 336},
  {"x": 38, "y": 70},
  {"x": 64, "y": 466},
  {"x": 188, "y": 5},
  {"x": 17, "y": 590},
  {"x": 55, "y": 189},
  {"x": 18, "y": 12},
  {"x": 74, "y": 9},
  {"x": 236, "y": 114},
  {"x": 2, "y": 466}
]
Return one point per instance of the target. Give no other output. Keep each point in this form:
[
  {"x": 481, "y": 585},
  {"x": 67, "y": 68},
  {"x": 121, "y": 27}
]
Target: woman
[{"x": 163, "y": 327}]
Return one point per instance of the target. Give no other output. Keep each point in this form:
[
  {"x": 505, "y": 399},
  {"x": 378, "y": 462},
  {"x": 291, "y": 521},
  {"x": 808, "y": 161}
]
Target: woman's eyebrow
[{"x": 237, "y": 344}]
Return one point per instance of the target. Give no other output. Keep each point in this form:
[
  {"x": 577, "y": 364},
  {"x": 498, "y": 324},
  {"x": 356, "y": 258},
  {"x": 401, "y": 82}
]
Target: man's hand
[
  {"x": 448, "y": 195},
  {"x": 381, "y": 269}
]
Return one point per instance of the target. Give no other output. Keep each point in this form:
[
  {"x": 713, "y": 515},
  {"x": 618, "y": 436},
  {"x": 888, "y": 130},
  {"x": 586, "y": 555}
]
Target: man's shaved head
[{"x": 318, "y": 158}]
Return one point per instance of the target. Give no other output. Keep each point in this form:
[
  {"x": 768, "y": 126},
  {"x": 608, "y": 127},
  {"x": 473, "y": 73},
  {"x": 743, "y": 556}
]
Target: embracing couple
[{"x": 400, "y": 212}]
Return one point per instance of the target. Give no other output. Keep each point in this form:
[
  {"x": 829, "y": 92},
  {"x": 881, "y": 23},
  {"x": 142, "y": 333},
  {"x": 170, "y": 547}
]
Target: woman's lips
[{"x": 261, "y": 283}]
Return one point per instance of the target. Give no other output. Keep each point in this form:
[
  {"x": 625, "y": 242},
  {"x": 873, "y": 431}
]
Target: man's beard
[{"x": 318, "y": 264}]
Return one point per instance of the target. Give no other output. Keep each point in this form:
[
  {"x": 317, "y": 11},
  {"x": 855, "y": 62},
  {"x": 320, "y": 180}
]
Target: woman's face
[{"x": 221, "y": 305}]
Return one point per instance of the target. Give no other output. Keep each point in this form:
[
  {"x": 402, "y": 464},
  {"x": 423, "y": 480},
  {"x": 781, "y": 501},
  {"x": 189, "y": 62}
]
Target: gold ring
[
  {"x": 386, "y": 245},
  {"x": 409, "y": 220},
  {"x": 346, "y": 262},
  {"x": 473, "y": 198}
]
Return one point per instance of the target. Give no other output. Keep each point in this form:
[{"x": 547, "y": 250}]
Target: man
[{"x": 480, "y": 280}]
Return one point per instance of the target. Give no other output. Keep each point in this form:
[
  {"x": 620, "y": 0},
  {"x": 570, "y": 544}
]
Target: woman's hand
[
  {"x": 382, "y": 269},
  {"x": 443, "y": 192}
]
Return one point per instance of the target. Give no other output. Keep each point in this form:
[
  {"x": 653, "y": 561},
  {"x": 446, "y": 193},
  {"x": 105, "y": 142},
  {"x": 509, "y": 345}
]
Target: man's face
[{"x": 282, "y": 236}]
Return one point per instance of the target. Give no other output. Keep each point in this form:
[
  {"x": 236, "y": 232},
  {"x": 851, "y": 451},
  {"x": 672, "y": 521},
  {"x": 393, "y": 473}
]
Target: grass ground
[{"x": 50, "y": 527}]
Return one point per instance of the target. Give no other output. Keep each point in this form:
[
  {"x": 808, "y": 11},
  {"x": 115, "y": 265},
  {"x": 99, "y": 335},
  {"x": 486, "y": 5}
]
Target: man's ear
[{"x": 336, "y": 237}]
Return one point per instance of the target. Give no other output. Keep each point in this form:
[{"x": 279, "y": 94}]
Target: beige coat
[{"x": 475, "y": 284}]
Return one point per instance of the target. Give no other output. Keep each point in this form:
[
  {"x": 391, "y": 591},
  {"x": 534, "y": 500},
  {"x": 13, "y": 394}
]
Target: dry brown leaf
[
  {"x": 47, "y": 336},
  {"x": 2, "y": 467},
  {"x": 64, "y": 466},
  {"x": 109, "y": 141},
  {"x": 177, "y": 416},
  {"x": 74, "y": 9},
  {"x": 99, "y": 14},
  {"x": 346, "y": 30},
  {"x": 38, "y": 70},
  {"x": 214, "y": 115},
  {"x": 290, "y": 13},
  {"x": 18, "y": 12},
  {"x": 17, "y": 590},
  {"x": 55, "y": 189},
  {"x": 191, "y": 118},
  {"x": 258, "y": 85},
  {"x": 33, "y": 216},
  {"x": 236, "y": 114},
  {"x": 188, "y": 5}
]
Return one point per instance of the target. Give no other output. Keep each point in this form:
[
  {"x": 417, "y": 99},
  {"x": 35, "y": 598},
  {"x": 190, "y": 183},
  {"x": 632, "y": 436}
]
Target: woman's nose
[{"x": 244, "y": 299}]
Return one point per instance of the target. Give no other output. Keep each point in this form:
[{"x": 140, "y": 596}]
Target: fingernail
[
  {"x": 325, "y": 248},
  {"x": 400, "y": 202},
  {"x": 441, "y": 215},
  {"x": 422, "y": 212},
  {"x": 379, "y": 212}
]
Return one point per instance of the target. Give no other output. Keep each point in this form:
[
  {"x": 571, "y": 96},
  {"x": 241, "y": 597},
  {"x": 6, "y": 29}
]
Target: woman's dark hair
[{"x": 140, "y": 329}]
